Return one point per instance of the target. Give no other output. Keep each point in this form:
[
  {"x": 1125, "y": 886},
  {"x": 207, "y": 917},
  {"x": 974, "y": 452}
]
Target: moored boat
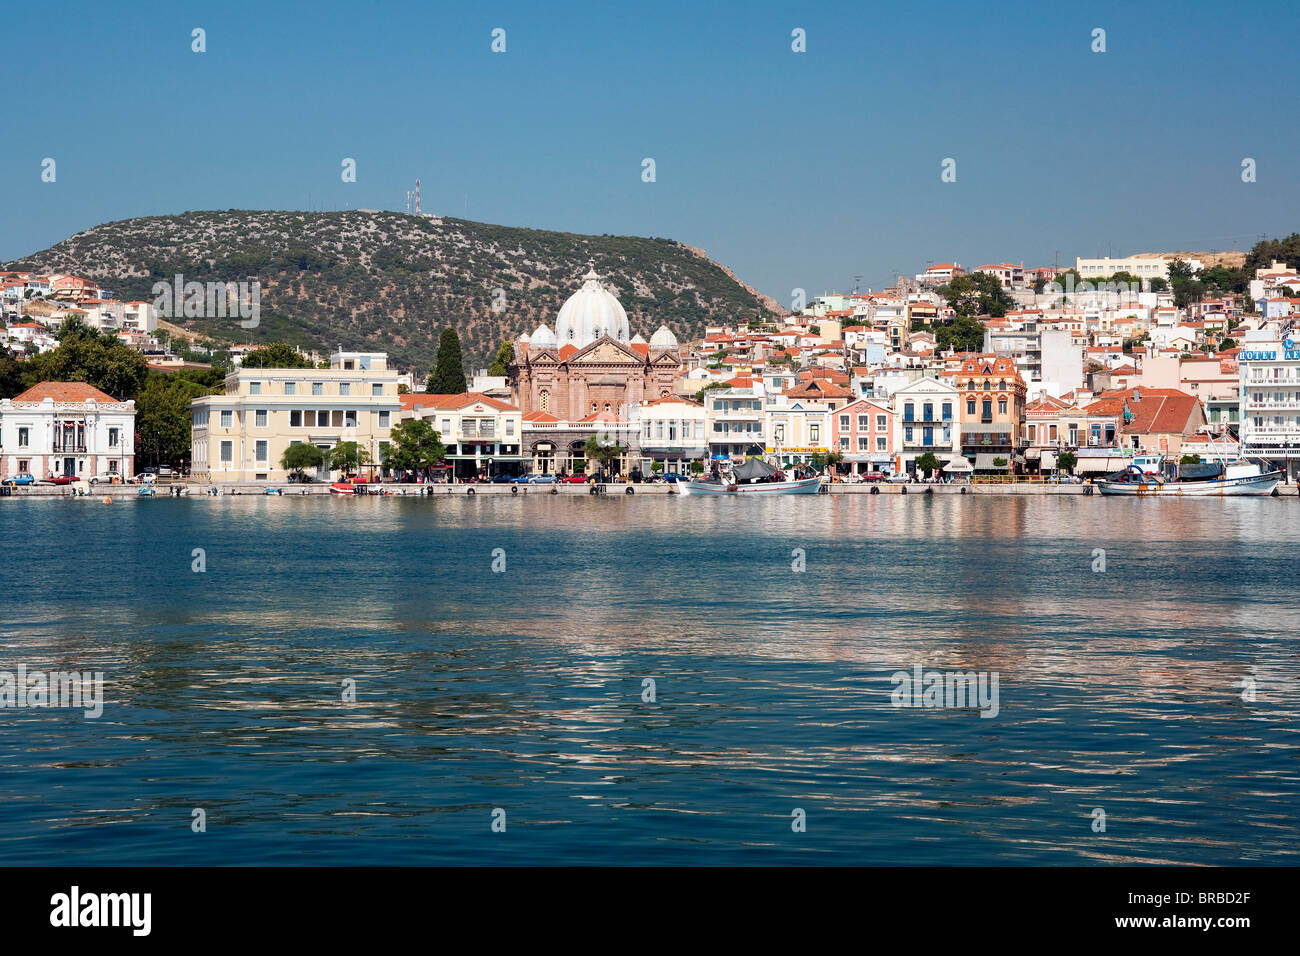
[
  {"x": 1237, "y": 479},
  {"x": 344, "y": 488},
  {"x": 754, "y": 477}
]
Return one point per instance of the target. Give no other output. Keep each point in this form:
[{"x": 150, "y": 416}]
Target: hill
[{"x": 391, "y": 281}]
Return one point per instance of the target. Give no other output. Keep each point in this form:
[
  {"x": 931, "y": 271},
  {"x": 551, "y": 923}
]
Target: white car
[
  {"x": 901, "y": 478},
  {"x": 106, "y": 478},
  {"x": 145, "y": 477}
]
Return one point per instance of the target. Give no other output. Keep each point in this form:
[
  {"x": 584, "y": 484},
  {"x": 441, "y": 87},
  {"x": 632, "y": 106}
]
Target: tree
[
  {"x": 1190, "y": 460},
  {"x": 1227, "y": 344},
  {"x": 500, "y": 364},
  {"x": 978, "y": 294},
  {"x": 11, "y": 375},
  {"x": 448, "y": 375},
  {"x": 163, "y": 419},
  {"x": 927, "y": 463},
  {"x": 403, "y": 389},
  {"x": 276, "y": 355},
  {"x": 963, "y": 334},
  {"x": 1157, "y": 284},
  {"x": 300, "y": 456},
  {"x": 1066, "y": 461},
  {"x": 348, "y": 457},
  {"x": 415, "y": 447},
  {"x": 604, "y": 449}
]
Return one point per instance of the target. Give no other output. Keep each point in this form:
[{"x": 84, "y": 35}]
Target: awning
[
  {"x": 1100, "y": 466},
  {"x": 1049, "y": 460},
  {"x": 1033, "y": 453},
  {"x": 984, "y": 462},
  {"x": 958, "y": 464}
]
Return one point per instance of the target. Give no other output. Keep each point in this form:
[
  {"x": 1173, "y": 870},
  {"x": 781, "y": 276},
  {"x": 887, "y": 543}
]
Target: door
[{"x": 70, "y": 467}]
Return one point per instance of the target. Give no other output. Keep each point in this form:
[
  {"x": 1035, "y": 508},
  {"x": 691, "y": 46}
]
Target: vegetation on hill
[{"x": 390, "y": 281}]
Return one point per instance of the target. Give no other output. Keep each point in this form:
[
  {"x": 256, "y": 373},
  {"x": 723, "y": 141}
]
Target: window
[
  {"x": 646, "y": 430},
  {"x": 259, "y": 418},
  {"x": 544, "y": 399},
  {"x": 317, "y": 388},
  {"x": 864, "y": 443},
  {"x": 988, "y": 386},
  {"x": 345, "y": 388},
  {"x": 909, "y": 412},
  {"x": 1052, "y": 432},
  {"x": 844, "y": 423},
  {"x": 814, "y": 433},
  {"x": 844, "y": 444},
  {"x": 112, "y": 437},
  {"x": 254, "y": 388},
  {"x": 323, "y": 419},
  {"x": 780, "y": 434},
  {"x": 987, "y": 409},
  {"x": 970, "y": 407},
  {"x": 295, "y": 419},
  {"x": 699, "y": 429},
  {"x": 24, "y": 465},
  {"x": 446, "y": 426},
  {"x": 260, "y": 450},
  {"x": 227, "y": 418},
  {"x": 1032, "y": 435},
  {"x": 1002, "y": 406},
  {"x": 376, "y": 389},
  {"x": 880, "y": 444},
  {"x": 383, "y": 419},
  {"x": 864, "y": 422},
  {"x": 510, "y": 427},
  {"x": 1002, "y": 386},
  {"x": 227, "y": 452},
  {"x": 659, "y": 429},
  {"x": 880, "y": 421},
  {"x": 907, "y": 433},
  {"x": 290, "y": 388}
]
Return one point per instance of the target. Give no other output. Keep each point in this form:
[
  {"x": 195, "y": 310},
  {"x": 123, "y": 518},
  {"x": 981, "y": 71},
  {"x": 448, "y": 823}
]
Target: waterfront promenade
[{"x": 203, "y": 489}]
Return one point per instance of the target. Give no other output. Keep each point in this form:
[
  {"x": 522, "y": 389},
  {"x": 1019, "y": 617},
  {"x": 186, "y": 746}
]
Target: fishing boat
[
  {"x": 1219, "y": 479},
  {"x": 344, "y": 488},
  {"x": 754, "y": 477}
]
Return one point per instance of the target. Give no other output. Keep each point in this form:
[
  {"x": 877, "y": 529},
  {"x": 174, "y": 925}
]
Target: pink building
[{"x": 863, "y": 432}]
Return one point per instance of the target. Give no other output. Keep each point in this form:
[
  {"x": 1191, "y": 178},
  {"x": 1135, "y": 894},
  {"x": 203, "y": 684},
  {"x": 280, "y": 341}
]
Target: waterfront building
[
  {"x": 672, "y": 434},
  {"x": 736, "y": 420},
  {"x": 1149, "y": 420},
  {"x": 1269, "y": 369},
  {"x": 66, "y": 428},
  {"x": 863, "y": 432},
  {"x": 557, "y": 446},
  {"x": 482, "y": 435},
  {"x": 991, "y": 408},
  {"x": 796, "y": 429},
  {"x": 590, "y": 363},
  {"x": 241, "y": 435},
  {"x": 925, "y": 421}
]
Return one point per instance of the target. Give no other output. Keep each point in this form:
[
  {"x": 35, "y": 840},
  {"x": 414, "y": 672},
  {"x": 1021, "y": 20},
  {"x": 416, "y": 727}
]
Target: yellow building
[{"x": 240, "y": 436}]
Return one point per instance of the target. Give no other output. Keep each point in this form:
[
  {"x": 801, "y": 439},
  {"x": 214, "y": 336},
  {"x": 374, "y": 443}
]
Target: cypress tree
[{"x": 448, "y": 375}]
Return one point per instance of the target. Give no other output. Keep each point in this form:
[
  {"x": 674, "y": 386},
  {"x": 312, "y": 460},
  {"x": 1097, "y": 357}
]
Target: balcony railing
[{"x": 69, "y": 449}]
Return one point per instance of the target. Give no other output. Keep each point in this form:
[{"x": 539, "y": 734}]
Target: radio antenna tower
[
  {"x": 408, "y": 202},
  {"x": 417, "y": 197}
]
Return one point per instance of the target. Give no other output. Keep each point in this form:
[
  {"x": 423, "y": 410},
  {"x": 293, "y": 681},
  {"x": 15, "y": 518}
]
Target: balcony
[
  {"x": 69, "y": 449},
  {"x": 478, "y": 434}
]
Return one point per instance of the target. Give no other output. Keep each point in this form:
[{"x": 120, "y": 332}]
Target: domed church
[{"x": 591, "y": 364}]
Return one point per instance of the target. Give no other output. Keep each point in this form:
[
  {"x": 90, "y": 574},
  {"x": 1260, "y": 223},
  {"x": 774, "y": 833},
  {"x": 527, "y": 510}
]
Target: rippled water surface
[{"x": 1120, "y": 690}]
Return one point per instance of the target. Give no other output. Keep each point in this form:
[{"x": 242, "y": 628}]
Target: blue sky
[{"x": 796, "y": 170}]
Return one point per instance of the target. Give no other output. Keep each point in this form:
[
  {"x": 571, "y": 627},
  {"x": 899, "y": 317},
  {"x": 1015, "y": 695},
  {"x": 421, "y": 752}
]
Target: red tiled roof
[
  {"x": 414, "y": 400},
  {"x": 63, "y": 392}
]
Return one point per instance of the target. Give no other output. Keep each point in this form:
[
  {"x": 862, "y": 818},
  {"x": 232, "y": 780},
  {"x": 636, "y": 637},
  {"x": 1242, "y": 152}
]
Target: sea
[{"x": 551, "y": 680}]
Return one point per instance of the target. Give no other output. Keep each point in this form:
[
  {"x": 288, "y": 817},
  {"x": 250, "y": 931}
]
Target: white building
[
  {"x": 1269, "y": 367},
  {"x": 735, "y": 421},
  {"x": 674, "y": 432},
  {"x": 66, "y": 428},
  {"x": 925, "y": 420},
  {"x": 1144, "y": 267}
]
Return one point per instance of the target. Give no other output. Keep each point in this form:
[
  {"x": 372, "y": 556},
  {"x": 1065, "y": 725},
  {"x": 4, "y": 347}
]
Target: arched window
[
  {"x": 988, "y": 386},
  {"x": 1002, "y": 385},
  {"x": 970, "y": 386},
  {"x": 593, "y": 408},
  {"x": 607, "y": 406},
  {"x": 544, "y": 399}
]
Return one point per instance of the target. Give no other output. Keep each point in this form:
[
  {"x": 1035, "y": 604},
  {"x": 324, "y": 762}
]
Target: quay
[{"x": 622, "y": 489}]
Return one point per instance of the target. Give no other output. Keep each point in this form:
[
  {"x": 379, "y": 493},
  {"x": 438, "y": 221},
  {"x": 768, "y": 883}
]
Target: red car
[
  {"x": 873, "y": 476},
  {"x": 576, "y": 479},
  {"x": 60, "y": 479}
]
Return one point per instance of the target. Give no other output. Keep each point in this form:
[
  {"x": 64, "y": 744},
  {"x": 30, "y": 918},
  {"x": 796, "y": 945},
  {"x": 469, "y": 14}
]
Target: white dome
[
  {"x": 589, "y": 313},
  {"x": 663, "y": 339},
  {"x": 637, "y": 340},
  {"x": 523, "y": 339},
  {"x": 543, "y": 338}
]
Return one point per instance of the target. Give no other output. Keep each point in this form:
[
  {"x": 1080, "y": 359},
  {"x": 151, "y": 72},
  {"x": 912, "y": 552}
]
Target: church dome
[
  {"x": 589, "y": 313},
  {"x": 543, "y": 338},
  {"x": 663, "y": 339},
  {"x": 637, "y": 340}
]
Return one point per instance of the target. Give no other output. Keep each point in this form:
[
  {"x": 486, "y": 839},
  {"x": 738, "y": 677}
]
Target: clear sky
[{"x": 794, "y": 169}]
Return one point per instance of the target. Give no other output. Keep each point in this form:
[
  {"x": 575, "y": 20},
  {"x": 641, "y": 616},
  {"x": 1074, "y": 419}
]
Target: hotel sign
[{"x": 1289, "y": 352}]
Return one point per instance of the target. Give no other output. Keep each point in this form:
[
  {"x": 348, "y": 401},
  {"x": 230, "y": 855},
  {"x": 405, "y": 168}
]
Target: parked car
[
  {"x": 106, "y": 478},
  {"x": 673, "y": 479},
  {"x": 870, "y": 476},
  {"x": 901, "y": 478},
  {"x": 576, "y": 479},
  {"x": 541, "y": 479},
  {"x": 144, "y": 477},
  {"x": 165, "y": 472},
  {"x": 502, "y": 479},
  {"x": 59, "y": 480},
  {"x": 22, "y": 478}
]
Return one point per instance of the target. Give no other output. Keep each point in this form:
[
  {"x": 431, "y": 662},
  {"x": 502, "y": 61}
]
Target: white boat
[
  {"x": 803, "y": 486},
  {"x": 1238, "y": 479},
  {"x": 754, "y": 477}
]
